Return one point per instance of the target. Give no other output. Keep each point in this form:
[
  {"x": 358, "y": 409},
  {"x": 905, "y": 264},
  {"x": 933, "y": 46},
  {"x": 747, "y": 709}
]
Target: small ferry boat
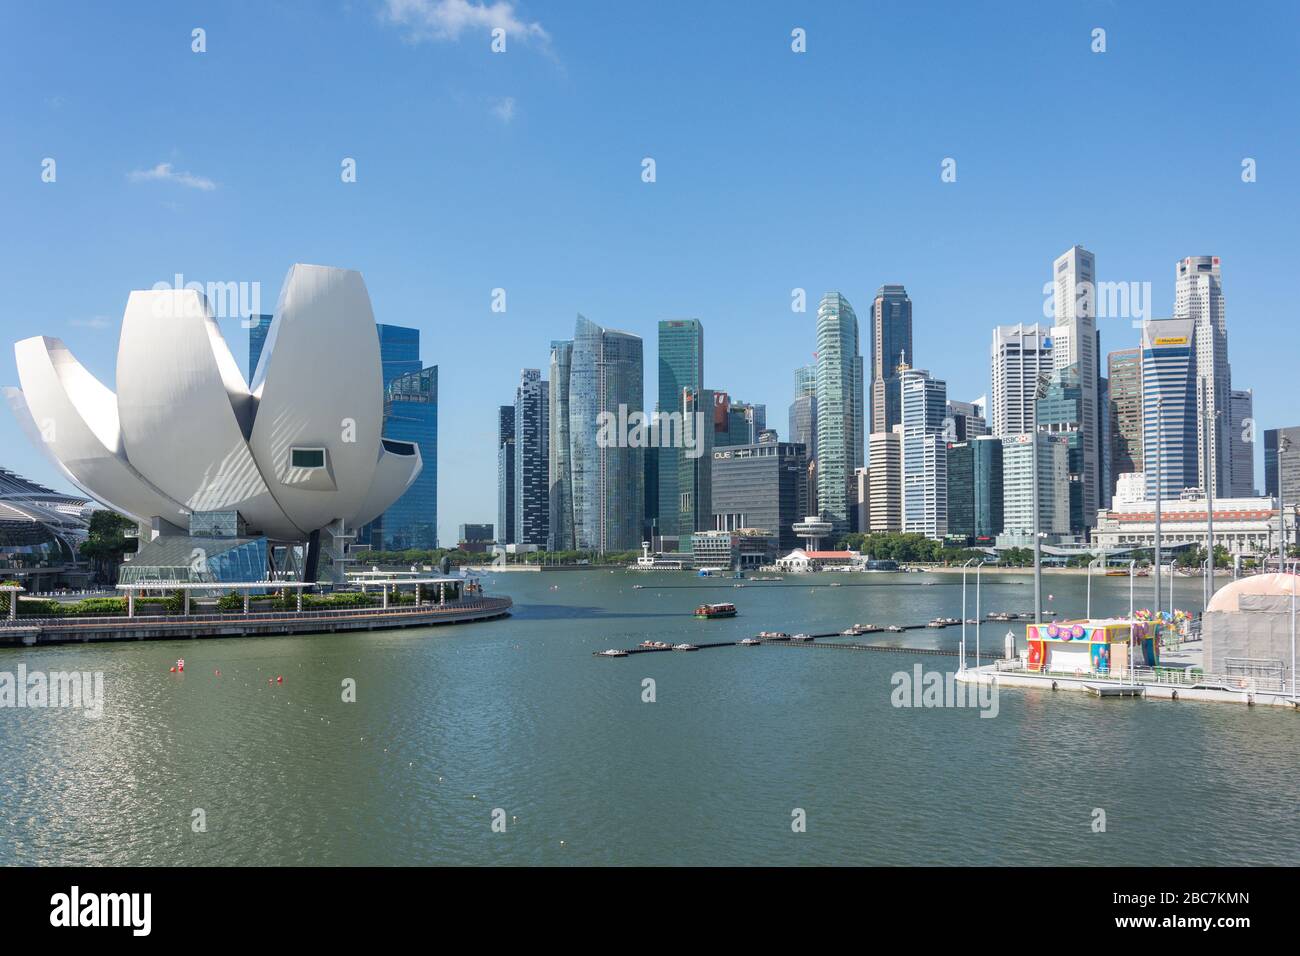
[
  {"x": 655, "y": 645},
  {"x": 612, "y": 652},
  {"x": 895, "y": 628},
  {"x": 938, "y": 622},
  {"x": 867, "y": 628},
  {"x": 749, "y": 642},
  {"x": 773, "y": 636},
  {"x": 685, "y": 647},
  {"x": 802, "y": 637},
  {"x": 711, "y": 611}
]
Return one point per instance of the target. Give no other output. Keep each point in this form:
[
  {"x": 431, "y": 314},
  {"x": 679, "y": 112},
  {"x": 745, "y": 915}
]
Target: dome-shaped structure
[{"x": 1228, "y": 597}]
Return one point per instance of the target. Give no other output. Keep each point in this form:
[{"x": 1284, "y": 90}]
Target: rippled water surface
[{"x": 450, "y": 723}]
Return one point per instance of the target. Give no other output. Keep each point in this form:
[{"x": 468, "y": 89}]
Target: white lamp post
[
  {"x": 1131, "y": 565},
  {"x": 961, "y": 663},
  {"x": 1091, "y": 564}
]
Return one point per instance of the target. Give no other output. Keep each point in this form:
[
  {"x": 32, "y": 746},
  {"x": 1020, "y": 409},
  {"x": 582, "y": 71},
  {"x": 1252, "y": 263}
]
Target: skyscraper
[
  {"x": 399, "y": 350},
  {"x": 1241, "y": 435},
  {"x": 839, "y": 411},
  {"x": 695, "y": 473},
  {"x": 967, "y": 420},
  {"x": 506, "y": 474},
  {"x": 560, "y": 494},
  {"x": 1021, "y": 359},
  {"x": 258, "y": 326},
  {"x": 924, "y": 404},
  {"x": 1075, "y": 343},
  {"x": 885, "y": 482},
  {"x": 1124, "y": 368},
  {"x": 1018, "y": 487},
  {"x": 411, "y": 414},
  {"x": 681, "y": 366},
  {"x": 760, "y": 486},
  {"x": 1059, "y": 412},
  {"x": 416, "y": 401},
  {"x": 891, "y": 346},
  {"x": 803, "y": 410},
  {"x": 1198, "y": 295},
  {"x": 1287, "y": 477},
  {"x": 606, "y": 388},
  {"x": 975, "y": 489},
  {"x": 532, "y": 458},
  {"x": 1169, "y": 405}
]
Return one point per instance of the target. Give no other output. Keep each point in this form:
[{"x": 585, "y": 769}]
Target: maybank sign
[{"x": 1171, "y": 340}]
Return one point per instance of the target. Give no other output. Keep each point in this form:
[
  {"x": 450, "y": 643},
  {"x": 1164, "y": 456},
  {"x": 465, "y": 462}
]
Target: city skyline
[{"x": 435, "y": 256}]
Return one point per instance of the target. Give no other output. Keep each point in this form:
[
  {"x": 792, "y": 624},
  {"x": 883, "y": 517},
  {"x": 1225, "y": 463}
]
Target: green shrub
[
  {"x": 230, "y": 601},
  {"x": 41, "y": 607}
]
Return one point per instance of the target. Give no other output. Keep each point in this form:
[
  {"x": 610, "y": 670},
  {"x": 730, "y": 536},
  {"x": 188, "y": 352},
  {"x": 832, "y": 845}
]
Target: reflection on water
[{"x": 450, "y": 723}]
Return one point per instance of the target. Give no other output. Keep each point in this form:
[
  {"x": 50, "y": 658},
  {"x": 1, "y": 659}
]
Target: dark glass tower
[
  {"x": 411, "y": 415},
  {"x": 891, "y": 346},
  {"x": 681, "y": 366}
]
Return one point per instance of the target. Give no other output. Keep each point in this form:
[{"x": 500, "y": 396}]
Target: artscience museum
[{"x": 229, "y": 479}]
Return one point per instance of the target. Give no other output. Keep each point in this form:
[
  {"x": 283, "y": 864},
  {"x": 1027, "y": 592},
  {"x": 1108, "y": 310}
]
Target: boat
[
  {"x": 637, "y": 587},
  {"x": 1116, "y": 574},
  {"x": 612, "y": 652},
  {"x": 774, "y": 635},
  {"x": 895, "y": 628},
  {"x": 801, "y": 637},
  {"x": 710, "y": 611},
  {"x": 685, "y": 647},
  {"x": 938, "y": 622},
  {"x": 834, "y": 584},
  {"x": 867, "y": 628},
  {"x": 749, "y": 642},
  {"x": 655, "y": 645}
]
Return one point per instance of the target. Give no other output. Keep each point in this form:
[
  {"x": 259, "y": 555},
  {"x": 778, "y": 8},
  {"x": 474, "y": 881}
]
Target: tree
[{"x": 107, "y": 543}]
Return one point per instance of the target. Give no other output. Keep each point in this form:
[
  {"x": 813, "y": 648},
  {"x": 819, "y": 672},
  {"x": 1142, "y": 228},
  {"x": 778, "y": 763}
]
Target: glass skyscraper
[
  {"x": 839, "y": 411},
  {"x": 506, "y": 474},
  {"x": 411, "y": 414},
  {"x": 1169, "y": 406},
  {"x": 924, "y": 404},
  {"x": 891, "y": 346},
  {"x": 694, "y": 475},
  {"x": 606, "y": 379},
  {"x": 258, "y": 326},
  {"x": 532, "y": 458},
  {"x": 1059, "y": 411},
  {"x": 975, "y": 489},
  {"x": 559, "y": 533},
  {"x": 409, "y": 523},
  {"x": 681, "y": 366}
]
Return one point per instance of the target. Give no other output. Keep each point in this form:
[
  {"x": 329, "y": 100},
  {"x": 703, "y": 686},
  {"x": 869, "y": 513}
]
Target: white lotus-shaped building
[{"x": 297, "y": 451}]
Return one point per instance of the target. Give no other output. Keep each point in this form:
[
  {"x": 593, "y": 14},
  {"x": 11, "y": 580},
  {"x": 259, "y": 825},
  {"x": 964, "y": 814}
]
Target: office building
[
  {"x": 1021, "y": 360},
  {"x": 1060, "y": 412},
  {"x": 559, "y": 525},
  {"x": 1124, "y": 378},
  {"x": 760, "y": 486},
  {"x": 1282, "y": 464},
  {"x": 1241, "y": 437},
  {"x": 885, "y": 482},
  {"x": 695, "y": 470},
  {"x": 891, "y": 347},
  {"x": 411, "y": 415},
  {"x": 1245, "y": 526},
  {"x": 258, "y": 326},
  {"x": 606, "y": 387},
  {"x": 532, "y": 458},
  {"x": 839, "y": 410},
  {"x": 681, "y": 366},
  {"x": 506, "y": 474},
  {"x": 924, "y": 404},
  {"x": 967, "y": 421},
  {"x": 1198, "y": 297},
  {"x": 1075, "y": 342},
  {"x": 1018, "y": 489},
  {"x": 975, "y": 490},
  {"x": 1169, "y": 406}
]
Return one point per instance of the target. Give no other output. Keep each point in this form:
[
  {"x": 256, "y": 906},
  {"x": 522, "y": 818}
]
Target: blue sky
[{"x": 522, "y": 170}]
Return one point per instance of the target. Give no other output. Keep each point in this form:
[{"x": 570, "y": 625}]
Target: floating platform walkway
[{"x": 234, "y": 624}]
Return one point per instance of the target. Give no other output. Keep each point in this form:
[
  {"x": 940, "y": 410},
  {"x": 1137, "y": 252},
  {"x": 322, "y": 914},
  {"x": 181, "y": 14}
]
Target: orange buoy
[
  {"x": 173, "y": 670},
  {"x": 279, "y": 680}
]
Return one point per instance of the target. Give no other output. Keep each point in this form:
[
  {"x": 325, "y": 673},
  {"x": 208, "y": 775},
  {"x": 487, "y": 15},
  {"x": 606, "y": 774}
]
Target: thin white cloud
[
  {"x": 165, "y": 173},
  {"x": 448, "y": 19},
  {"x": 504, "y": 109},
  {"x": 94, "y": 322}
]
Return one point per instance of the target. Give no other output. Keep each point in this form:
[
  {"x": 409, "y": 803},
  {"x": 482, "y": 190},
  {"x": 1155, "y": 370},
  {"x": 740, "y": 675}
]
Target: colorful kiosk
[{"x": 1091, "y": 647}]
